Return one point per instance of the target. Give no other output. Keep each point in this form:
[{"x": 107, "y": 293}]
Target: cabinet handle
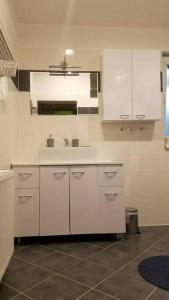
[
  {"x": 124, "y": 116},
  {"x": 25, "y": 196},
  {"x": 59, "y": 173},
  {"x": 140, "y": 117},
  {"x": 111, "y": 195},
  {"x": 25, "y": 173},
  {"x": 110, "y": 172},
  {"x": 77, "y": 172}
]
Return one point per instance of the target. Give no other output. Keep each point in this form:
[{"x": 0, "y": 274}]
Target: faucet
[{"x": 66, "y": 142}]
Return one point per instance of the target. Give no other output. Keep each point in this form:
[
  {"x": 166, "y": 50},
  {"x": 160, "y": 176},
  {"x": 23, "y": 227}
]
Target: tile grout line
[
  {"x": 94, "y": 287},
  {"x": 73, "y": 256},
  {"x": 90, "y": 288},
  {"x": 113, "y": 297},
  {"x": 22, "y": 294},
  {"x": 54, "y": 274},
  {"x": 100, "y": 251},
  {"x": 12, "y": 288},
  {"x": 101, "y": 292},
  {"x": 152, "y": 292},
  {"x": 35, "y": 285}
]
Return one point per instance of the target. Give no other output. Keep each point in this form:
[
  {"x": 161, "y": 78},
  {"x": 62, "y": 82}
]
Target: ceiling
[{"x": 117, "y": 13}]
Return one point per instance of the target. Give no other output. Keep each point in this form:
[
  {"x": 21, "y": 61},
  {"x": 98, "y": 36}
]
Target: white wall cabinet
[
  {"x": 26, "y": 201},
  {"x": 116, "y": 85},
  {"x": 146, "y": 85},
  {"x": 131, "y": 85},
  {"x": 83, "y": 200},
  {"x": 54, "y": 201}
]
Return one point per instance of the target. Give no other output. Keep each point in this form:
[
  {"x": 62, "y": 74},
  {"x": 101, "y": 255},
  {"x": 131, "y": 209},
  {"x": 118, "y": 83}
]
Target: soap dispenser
[{"x": 50, "y": 141}]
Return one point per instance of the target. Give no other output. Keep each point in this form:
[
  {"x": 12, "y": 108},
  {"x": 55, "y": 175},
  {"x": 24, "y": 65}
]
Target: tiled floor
[{"x": 86, "y": 269}]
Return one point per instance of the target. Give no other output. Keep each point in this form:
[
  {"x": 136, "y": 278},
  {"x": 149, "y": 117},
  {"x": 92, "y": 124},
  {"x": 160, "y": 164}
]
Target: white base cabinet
[
  {"x": 26, "y": 212},
  {"x": 76, "y": 199},
  {"x": 111, "y": 210},
  {"x": 83, "y": 200},
  {"x": 26, "y": 201},
  {"x": 54, "y": 201}
]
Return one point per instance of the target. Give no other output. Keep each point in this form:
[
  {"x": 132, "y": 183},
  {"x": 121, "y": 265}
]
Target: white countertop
[
  {"x": 69, "y": 163},
  {"x": 5, "y": 174}
]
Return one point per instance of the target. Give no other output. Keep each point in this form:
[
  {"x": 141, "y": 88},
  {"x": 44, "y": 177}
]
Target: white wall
[
  {"x": 146, "y": 163},
  {"x": 8, "y": 105},
  {"x": 7, "y": 125}
]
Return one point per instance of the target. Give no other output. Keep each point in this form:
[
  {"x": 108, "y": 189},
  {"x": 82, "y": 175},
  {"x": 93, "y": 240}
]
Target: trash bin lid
[{"x": 131, "y": 209}]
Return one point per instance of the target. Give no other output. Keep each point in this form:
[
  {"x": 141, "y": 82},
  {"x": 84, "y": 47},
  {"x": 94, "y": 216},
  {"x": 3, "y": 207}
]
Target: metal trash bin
[{"x": 132, "y": 220}]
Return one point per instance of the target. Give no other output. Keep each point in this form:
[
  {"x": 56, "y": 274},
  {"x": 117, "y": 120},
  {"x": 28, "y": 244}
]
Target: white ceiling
[{"x": 118, "y": 13}]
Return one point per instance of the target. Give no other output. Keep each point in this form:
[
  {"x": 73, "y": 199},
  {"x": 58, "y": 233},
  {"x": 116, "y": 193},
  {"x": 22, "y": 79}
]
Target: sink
[{"x": 67, "y": 154}]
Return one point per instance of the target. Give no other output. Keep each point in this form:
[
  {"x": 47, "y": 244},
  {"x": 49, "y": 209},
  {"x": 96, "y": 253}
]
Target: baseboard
[{"x": 6, "y": 264}]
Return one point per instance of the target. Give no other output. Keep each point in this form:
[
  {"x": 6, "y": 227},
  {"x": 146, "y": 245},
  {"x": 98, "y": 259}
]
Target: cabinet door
[
  {"x": 146, "y": 85},
  {"x": 54, "y": 201},
  {"x": 116, "y": 85},
  {"x": 111, "y": 210},
  {"x": 27, "y": 212},
  {"x": 83, "y": 200}
]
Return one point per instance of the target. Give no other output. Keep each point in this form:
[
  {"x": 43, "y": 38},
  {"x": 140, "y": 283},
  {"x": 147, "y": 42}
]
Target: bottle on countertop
[
  {"x": 50, "y": 141},
  {"x": 75, "y": 142}
]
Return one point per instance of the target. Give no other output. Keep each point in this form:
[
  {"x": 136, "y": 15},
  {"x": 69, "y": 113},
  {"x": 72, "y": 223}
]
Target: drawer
[
  {"x": 110, "y": 176},
  {"x": 26, "y": 212},
  {"x": 26, "y": 177},
  {"x": 111, "y": 210}
]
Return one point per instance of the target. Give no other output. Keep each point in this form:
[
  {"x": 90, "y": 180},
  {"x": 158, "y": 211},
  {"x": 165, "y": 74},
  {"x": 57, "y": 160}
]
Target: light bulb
[{"x": 69, "y": 51}]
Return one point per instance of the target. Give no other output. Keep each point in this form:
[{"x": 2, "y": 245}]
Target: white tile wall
[
  {"x": 146, "y": 163},
  {"x": 7, "y": 126}
]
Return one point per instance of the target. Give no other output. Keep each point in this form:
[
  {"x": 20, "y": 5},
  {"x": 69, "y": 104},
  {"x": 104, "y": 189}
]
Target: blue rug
[{"x": 156, "y": 270}]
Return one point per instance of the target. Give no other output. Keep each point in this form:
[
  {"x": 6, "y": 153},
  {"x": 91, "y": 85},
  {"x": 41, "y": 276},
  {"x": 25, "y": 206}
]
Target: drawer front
[
  {"x": 111, "y": 210},
  {"x": 110, "y": 176},
  {"x": 26, "y": 212},
  {"x": 26, "y": 177}
]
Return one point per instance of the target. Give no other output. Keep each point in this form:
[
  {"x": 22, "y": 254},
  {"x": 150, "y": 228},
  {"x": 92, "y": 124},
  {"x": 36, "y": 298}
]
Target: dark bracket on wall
[{"x": 161, "y": 81}]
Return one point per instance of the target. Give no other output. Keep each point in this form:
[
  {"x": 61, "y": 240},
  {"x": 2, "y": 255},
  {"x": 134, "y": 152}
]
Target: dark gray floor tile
[
  {"x": 32, "y": 252},
  {"x": 149, "y": 235},
  {"x": 26, "y": 277},
  {"x": 57, "y": 288},
  {"x": 127, "y": 284},
  {"x": 118, "y": 255},
  {"x": 162, "y": 229},
  {"x": 152, "y": 252},
  {"x": 6, "y": 293},
  {"x": 81, "y": 250},
  {"x": 102, "y": 244},
  {"x": 15, "y": 263},
  {"x": 163, "y": 243},
  {"x": 87, "y": 273},
  {"x": 95, "y": 295},
  {"x": 21, "y": 297},
  {"x": 57, "y": 261},
  {"x": 55, "y": 245},
  {"x": 159, "y": 294}
]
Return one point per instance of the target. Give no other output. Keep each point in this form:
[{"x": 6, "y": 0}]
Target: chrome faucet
[{"x": 66, "y": 142}]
